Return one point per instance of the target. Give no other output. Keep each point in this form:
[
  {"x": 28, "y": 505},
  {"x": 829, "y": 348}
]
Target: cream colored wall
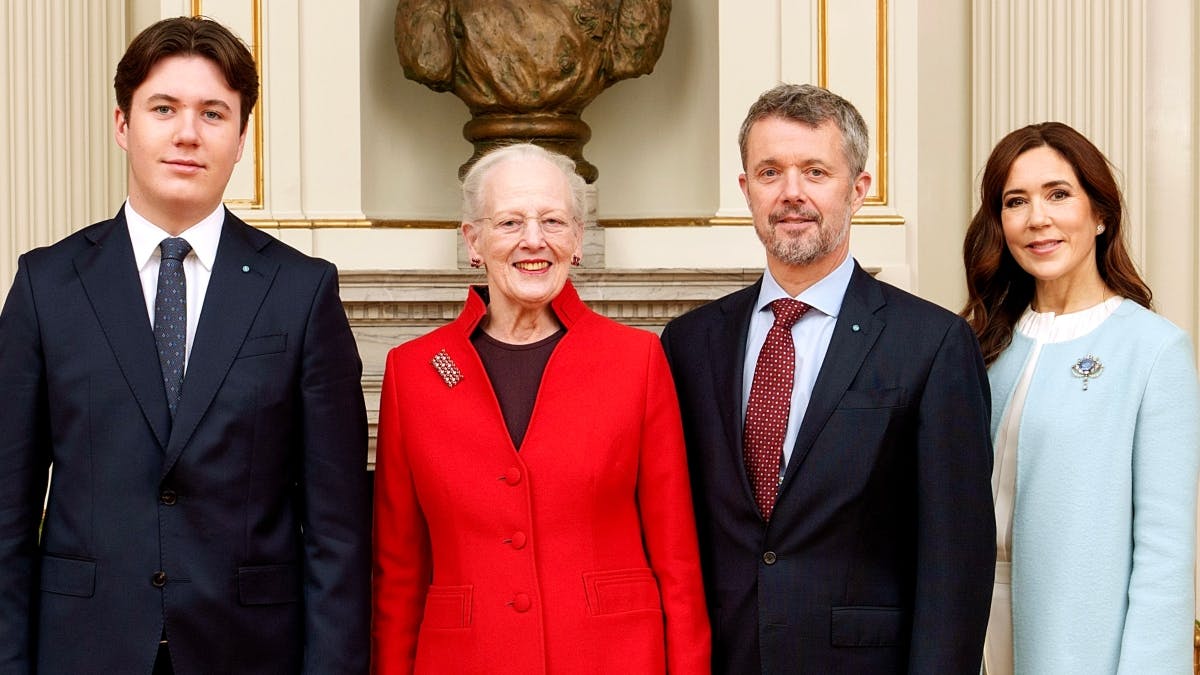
[{"x": 945, "y": 184}]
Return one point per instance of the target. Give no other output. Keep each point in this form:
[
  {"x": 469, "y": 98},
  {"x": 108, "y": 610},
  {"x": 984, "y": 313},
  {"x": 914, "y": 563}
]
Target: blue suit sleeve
[
  {"x": 24, "y": 460},
  {"x": 335, "y": 491},
  {"x": 956, "y": 530}
]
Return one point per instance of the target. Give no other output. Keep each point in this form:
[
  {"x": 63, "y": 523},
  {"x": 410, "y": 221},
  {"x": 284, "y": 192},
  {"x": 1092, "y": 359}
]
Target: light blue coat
[{"x": 1105, "y": 512}]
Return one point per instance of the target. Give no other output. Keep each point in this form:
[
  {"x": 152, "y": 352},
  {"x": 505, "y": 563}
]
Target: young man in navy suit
[
  {"x": 837, "y": 432},
  {"x": 195, "y": 388}
]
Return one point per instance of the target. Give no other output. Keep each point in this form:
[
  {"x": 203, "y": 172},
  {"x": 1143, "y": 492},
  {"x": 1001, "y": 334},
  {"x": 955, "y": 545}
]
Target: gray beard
[{"x": 806, "y": 250}]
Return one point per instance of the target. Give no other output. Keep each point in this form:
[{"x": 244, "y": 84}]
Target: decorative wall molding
[
  {"x": 59, "y": 167},
  {"x": 388, "y": 308},
  {"x": 252, "y": 34},
  {"x": 1081, "y": 63},
  {"x": 878, "y": 195},
  {"x": 430, "y": 224}
]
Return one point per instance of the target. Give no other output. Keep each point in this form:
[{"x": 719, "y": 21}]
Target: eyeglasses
[{"x": 512, "y": 224}]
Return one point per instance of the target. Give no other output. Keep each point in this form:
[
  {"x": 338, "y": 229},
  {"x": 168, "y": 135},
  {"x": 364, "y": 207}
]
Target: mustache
[{"x": 794, "y": 211}]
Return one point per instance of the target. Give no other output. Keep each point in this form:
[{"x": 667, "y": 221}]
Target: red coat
[{"x": 576, "y": 555}]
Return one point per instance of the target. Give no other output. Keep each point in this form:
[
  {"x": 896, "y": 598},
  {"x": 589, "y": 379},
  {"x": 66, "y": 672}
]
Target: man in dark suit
[
  {"x": 208, "y": 506},
  {"x": 837, "y": 432}
]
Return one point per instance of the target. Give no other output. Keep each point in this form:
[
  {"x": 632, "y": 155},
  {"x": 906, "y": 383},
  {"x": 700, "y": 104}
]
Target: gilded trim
[
  {"x": 430, "y": 224},
  {"x": 415, "y": 224},
  {"x": 256, "y": 115},
  {"x": 822, "y": 43},
  {"x": 266, "y": 223},
  {"x": 880, "y": 198},
  {"x": 655, "y": 222}
]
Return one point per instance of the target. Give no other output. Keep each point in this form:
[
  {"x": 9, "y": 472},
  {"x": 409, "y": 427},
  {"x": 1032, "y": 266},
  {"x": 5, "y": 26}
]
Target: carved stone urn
[{"x": 527, "y": 68}]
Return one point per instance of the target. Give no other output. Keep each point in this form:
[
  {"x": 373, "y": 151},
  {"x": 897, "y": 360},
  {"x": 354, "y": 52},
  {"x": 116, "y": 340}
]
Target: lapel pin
[
  {"x": 446, "y": 367},
  {"x": 245, "y": 268},
  {"x": 1088, "y": 367},
  {"x": 855, "y": 328}
]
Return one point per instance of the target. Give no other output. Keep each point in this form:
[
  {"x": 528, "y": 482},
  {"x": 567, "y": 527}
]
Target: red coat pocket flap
[
  {"x": 447, "y": 607},
  {"x": 617, "y": 591}
]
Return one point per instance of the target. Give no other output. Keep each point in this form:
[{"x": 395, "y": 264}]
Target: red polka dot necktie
[
  {"x": 770, "y": 403},
  {"x": 170, "y": 317}
]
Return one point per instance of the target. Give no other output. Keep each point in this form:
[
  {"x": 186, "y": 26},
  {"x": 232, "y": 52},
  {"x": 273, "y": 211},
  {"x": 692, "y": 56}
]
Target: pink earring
[
  {"x": 476, "y": 262},
  {"x": 575, "y": 260}
]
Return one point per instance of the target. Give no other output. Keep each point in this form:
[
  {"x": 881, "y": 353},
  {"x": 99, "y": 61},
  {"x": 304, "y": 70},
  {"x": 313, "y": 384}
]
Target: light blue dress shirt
[{"x": 811, "y": 335}]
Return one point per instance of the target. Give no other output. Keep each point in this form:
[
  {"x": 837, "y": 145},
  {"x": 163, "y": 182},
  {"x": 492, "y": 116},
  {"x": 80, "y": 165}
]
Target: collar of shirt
[
  {"x": 203, "y": 237},
  {"x": 825, "y": 296}
]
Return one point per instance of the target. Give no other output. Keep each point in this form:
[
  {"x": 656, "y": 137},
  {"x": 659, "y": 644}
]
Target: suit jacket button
[
  {"x": 168, "y": 497},
  {"x": 769, "y": 557},
  {"x": 512, "y": 476},
  {"x": 158, "y": 579},
  {"x": 521, "y": 603}
]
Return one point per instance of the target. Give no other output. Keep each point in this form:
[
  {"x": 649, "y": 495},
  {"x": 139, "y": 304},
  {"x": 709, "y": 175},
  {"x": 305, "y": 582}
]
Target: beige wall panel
[
  {"x": 689, "y": 247},
  {"x": 384, "y": 249},
  {"x": 412, "y": 136},
  {"x": 942, "y": 170},
  {"x": 60, "y": 169},
  {"x": 654, "y": 138}
]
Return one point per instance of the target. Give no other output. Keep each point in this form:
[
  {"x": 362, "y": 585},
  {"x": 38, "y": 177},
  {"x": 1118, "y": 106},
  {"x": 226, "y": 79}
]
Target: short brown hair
[
  {"x": 188, "y": 36},
  {"x": 998, "y": 289},
  {"x": 813, "y": 106}
]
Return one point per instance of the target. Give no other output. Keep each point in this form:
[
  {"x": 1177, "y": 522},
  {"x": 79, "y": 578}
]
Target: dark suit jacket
[
  {"x": 880, "y": 552},
  {"x": 242, "y": 528}
]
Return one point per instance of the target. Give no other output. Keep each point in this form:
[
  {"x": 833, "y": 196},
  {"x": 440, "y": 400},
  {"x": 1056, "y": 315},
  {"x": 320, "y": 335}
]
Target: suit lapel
[
  {"x": 854, "y": 334},
  {"x": 727, "y": 352},
  {"x": 241, "y": 277},
  {"x": 108, "y": 273}
]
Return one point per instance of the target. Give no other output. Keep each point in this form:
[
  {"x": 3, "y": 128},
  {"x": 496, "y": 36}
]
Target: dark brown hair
[
  {"x": 998, "y": 290},
  {"x": 188, "y": 36}
]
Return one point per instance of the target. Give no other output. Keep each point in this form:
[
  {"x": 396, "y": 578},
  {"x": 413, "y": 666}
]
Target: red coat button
[
  {"x": 521, "y": 603},
  {"x": 513, "y": 475},
  {"x": 518, "y": 540}
]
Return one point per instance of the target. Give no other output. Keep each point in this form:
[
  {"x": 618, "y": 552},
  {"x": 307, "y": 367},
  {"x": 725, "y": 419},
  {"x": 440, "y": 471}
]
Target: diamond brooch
[
  {"x": 1088, "y": 367},
  {"x": 446, "y": 367}
]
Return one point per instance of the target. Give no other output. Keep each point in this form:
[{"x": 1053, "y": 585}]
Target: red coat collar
[{"x": 566, "y": 305}]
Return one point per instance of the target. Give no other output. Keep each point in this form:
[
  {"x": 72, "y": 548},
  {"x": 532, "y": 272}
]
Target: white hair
[{"x": 476, "y": 178}]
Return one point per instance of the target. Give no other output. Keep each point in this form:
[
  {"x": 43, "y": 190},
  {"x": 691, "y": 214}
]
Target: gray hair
[
  {"x": 813, "y": 106},
  {"x": 473, "y": 183}
]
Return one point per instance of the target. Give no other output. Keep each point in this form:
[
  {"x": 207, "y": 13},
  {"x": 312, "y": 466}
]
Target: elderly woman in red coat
[{"x": 532, "y": 505}]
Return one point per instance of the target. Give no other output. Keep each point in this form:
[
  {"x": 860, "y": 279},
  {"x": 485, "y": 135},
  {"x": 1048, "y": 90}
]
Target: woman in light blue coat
[{"x": 1096, "y": 422}]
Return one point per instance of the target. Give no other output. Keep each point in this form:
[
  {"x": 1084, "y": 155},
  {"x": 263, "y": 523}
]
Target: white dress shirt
[
  {"x": 811, "y": 336},
  {"x": 197, "y": 266}
]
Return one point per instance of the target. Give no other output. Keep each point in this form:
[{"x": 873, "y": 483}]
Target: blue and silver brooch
[{"x": 1088, "y": 367}]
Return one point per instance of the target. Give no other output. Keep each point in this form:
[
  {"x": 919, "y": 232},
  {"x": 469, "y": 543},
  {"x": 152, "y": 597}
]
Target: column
[{"x": 60, "y": 169}]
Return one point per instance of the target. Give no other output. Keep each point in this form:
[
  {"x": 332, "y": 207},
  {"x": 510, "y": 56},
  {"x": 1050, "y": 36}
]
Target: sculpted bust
[{"x": 527, "y": 68}]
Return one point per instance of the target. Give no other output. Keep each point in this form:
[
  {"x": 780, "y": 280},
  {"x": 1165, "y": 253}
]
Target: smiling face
[
  {"x": 526, "y": 235},
  {"x": 1049, "y": 224},
  {"x": 801, "y": 192},
  {"x": 182, "y": 136}
]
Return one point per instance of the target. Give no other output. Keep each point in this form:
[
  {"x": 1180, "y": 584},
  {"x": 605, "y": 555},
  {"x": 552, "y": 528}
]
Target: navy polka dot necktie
[
  {"x": 770, "y": 404},
  {"x": 170, "y": 317}
]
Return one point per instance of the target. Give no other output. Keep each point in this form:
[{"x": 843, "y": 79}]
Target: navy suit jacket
[
  {"x": 241, "y": 528},
  {"x": 879, "y": 555}
]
